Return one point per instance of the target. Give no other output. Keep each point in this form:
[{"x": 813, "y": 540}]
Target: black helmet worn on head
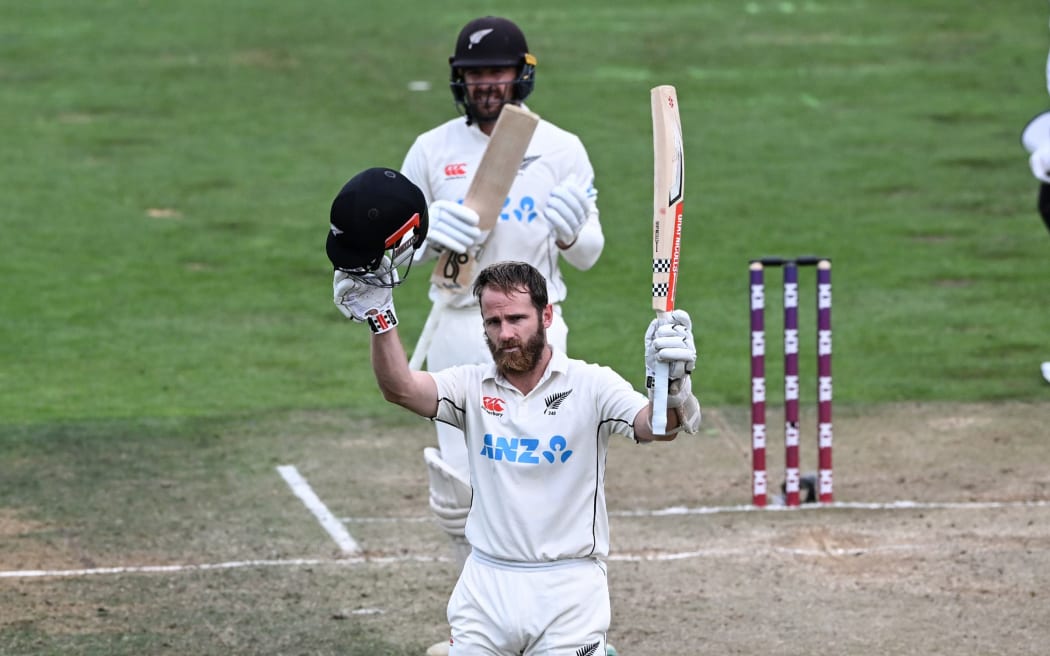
[
  {"x": 377, "y": 221},
  {"x": 491, "y": 42}
]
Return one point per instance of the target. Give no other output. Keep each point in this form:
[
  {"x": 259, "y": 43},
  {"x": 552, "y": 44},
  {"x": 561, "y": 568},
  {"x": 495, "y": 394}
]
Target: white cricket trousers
[
  {"x": 459, "y": 338},
  {"x": 529, "y": 609}
]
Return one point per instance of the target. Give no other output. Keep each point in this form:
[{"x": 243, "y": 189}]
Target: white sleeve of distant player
[
  {"x": 1048, "y": 73},
  {"x": 590, "y": 241},
  {"x": 415, "y": 169}
]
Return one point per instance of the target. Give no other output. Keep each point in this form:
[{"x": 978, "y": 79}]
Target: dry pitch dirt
[{"x": 965, "y": 570}]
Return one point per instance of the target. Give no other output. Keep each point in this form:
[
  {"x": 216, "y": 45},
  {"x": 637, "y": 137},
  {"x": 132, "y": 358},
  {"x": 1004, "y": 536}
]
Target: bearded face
[
  {"x": 515, "y": 356},
  {"x": 488, "y": 89}
]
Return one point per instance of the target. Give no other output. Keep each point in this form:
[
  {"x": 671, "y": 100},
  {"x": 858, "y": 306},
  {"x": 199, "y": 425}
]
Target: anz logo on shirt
[
  {"x": 525, "y": 212},
  {"x": 526, "y": 450}
]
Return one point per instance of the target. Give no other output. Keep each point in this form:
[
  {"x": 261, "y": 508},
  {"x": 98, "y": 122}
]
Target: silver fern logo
[
  {"x": 476, "y": 37},
  {"x": 527, "y": 161},
  {"x": 554, "y": 402},
  {"x": 588, "y": 650}
]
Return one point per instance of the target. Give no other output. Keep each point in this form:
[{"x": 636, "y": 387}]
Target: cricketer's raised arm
[
  {"x": 413, "y": 390},
  {"x": 360, "y": 300},
  {"x": 377, "y": 222}
]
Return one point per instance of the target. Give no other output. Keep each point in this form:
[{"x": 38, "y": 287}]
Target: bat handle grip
[
  {"x": 660, "y": 398},
  {"x": 661, "y": 374}
]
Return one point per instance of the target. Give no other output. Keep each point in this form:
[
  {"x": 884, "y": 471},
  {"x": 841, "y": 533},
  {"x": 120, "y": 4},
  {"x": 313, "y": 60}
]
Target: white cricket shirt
[
  {"x": 537, "y": 462},
  {"x": 442, "y": 162}
]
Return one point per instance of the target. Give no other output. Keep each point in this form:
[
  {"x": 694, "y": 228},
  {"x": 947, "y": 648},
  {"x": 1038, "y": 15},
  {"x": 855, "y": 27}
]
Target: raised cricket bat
[
  {"x": 488, "y": 191},
  {"x": 668, "y": 192}
]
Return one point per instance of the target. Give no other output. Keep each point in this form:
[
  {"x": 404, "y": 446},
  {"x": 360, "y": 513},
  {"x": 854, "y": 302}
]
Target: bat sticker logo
[{"x": 677, "y": 189}]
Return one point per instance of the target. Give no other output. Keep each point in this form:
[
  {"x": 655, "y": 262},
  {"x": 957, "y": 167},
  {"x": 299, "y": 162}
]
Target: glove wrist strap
[{"x": 382, "y": 321}]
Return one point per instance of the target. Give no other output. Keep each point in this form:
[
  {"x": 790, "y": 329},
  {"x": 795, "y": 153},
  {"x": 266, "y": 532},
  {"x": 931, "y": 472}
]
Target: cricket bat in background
[
  {"x": 488, "y": 191},
  {"x": 668, "y": 192},
  {"x": 454, "y": 272}
]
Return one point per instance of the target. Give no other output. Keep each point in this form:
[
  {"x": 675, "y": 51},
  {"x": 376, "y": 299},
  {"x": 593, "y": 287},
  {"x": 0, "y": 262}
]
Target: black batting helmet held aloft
[
  {"x": 377, "y": 221},
  {"x": 491, "y": 42}
]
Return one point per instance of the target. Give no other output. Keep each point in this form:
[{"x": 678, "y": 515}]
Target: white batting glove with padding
[
  {"x": 670, "y": 340},
  {"x": 681, "y": 399},
  {"x": 1040, "y": 163},
  {"x": 452, "y": 226},
  {"x": 360, "y": 298},
  {"x": 567, "y": 210}
]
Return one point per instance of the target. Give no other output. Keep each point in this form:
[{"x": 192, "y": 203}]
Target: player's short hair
[{"x": 510, "y": 277}]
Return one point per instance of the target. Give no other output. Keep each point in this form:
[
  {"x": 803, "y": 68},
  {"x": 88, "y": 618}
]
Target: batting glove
[
  {"x": 670, "y": 340},
  {"x": 567, "y": 210},
  {"x": 452, "y": 226},
  {"x": 360, "y": 299},
  {"x": 681, "y": 399},
  {"x": 1040, "y": 163}
]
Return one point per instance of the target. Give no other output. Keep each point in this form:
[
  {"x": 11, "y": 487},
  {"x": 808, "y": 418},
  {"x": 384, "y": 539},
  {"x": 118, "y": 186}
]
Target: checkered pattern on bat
[{"x": 661, "y": 266}]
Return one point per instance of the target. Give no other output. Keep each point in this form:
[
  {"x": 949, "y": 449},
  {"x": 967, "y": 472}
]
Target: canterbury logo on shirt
[
  {"x": 493, "y": 405},
  {"x": 526, "y": 450},
  {"x": 456, "y": 170},
  {"x": 459, "y": 169}
]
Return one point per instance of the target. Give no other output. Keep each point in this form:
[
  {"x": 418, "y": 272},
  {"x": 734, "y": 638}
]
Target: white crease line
[
  {"x": 675, "y": 511},
  {"x": 615, "y": 556},
  {"x": 751, "y": 551},
  {"x": 852, "y": 551},
  {"x": 837, "y": 505},
  {"x": 647, "y": 556},
  {"x": 236, "y": 564},
  {"x": 152, "y": 569},
  {"x": 335, "y": 528},
  {"x": 384, "y": 520}
]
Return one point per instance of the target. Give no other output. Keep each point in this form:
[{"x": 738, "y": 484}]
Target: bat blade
[
  {"x": 668, "y": 196},
  {"x": 488, "y": 191}
]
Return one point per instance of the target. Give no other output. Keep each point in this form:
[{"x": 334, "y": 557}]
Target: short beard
[
  {"x": 485, "y": 116},
  {"x": 521, "y": 361}
]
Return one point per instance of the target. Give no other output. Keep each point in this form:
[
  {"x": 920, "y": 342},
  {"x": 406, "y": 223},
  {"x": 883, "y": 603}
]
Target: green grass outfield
[
  {"x": 168, "y": 166},
  {"x": 167, "y": 334}
]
